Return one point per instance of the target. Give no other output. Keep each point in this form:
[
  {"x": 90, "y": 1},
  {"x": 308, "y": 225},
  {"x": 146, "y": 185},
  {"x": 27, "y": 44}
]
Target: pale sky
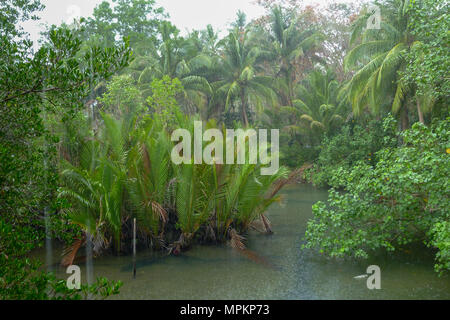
[{"x": 185, "y": 14}]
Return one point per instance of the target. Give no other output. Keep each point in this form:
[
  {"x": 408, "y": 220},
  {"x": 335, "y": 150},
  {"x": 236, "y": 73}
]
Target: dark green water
[{"x": 210, "y": 272}]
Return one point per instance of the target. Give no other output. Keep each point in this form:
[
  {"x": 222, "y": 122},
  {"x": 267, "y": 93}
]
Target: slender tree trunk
[
  {"x": 419, "y": 111},
  {"x": 134, "y": 248},
  {"x": 291, "y": 89},
  {"x": 404, "y": 116},
  {"x": 244, "y": 109}
]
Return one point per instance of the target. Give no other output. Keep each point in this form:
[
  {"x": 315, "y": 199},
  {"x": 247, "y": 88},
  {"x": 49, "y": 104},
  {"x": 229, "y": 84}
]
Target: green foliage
[
  {"x": 376, "y": 59},
  {"x": 35, "y": 85},
  {"x": 440, "y": 239},
  {"x": 122, "y": 97},
  {"x": 293, "y": 154},
  {"x": 400, "y": 199},
  {"x": 127, "y": 172},
  {"x": 288, "y": 43},
  {"x": 357, "y": 142},
  {"x": 174, "y": 57},
  {"x": 318, "y": 107},
  {"x": 429, "y": 61},
  {"x": 241, "y": 85},
  {"x": 111, "y": 159},
  {"x": 136, "y": 19},
  {"x": 22, "y": 277},
  {"x": 162, "y": 100}
]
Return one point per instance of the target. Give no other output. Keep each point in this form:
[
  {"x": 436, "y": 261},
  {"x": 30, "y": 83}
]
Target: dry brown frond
[
  {"x": 236, "y": 240},
  {"x": 162, "y": 213},
  {"x": 266, "y": 223},
  {"x": 70, "y": 252},
  {"x": 258, "y": 225},
  {"x": 280, "y": 183}
]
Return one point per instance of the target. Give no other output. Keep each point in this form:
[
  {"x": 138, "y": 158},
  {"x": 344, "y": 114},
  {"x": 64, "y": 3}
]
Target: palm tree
[
  {"x": 194, "y": 194},
  {"x": 223, "y": 197},
  {"x": 210, "y": 41},
  {"x": 96, "y": 185},
  {"x": 149, "y": 177},
  {"x": 127, "y": 172},
  {"x": 96, "y": 196},
  {"x": 179, "y": 58},
  {"x": 241, "y": 82},
  {"x": 378, "y": 59},
  {"x": 247, "y": 196},
  {"x": 319, "y": 108},
  {"x": 240, "y": 23},
  {"x": 288, "y": 45}
]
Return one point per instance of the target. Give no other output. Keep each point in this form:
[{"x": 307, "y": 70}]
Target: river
[{"x": 212, "y": 272}]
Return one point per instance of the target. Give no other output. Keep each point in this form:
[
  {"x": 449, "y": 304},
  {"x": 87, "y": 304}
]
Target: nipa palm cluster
[{"x": 125, "y": 172}]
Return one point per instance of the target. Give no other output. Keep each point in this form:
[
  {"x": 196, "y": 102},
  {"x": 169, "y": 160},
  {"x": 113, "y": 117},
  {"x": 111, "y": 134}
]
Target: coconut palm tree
[
  {"x": 210, "y": 40},
  {"x": 240, "y": 23},
  {"x": 377, "y": 58},
  {"x": 179, "y": 58},
  {"x": 320, "y": 109},
  {"x": 288, "y": 45},
  {"x": 241, "y": 84},
  {"x": 317, "y": 109}
]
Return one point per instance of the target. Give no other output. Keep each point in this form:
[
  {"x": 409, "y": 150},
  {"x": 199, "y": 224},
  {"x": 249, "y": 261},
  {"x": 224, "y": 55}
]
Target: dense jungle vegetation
[{"x": 86, "y": 122}]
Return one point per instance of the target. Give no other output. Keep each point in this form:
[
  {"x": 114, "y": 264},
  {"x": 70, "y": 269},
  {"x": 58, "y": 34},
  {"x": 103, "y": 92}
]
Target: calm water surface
[{"x": 211, "y": 272}]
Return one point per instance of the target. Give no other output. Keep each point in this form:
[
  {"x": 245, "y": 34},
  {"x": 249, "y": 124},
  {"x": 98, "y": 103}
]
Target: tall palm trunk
[
  {"x": 404, "y": 118},
  {"x": 285, "y": 72},
  {"x": 291, "y": 80},
  {"x": 419, "y": 111},
  {"x": 244, "y": 108}
]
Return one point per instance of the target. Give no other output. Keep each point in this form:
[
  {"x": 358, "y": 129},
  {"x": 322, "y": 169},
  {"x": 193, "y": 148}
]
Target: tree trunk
[
  {"x": 405, "y": 120},
  {"x": 419, "y": 111},
  {"x": 291, "y": 89},
  {"x": 244, "y": 109}
]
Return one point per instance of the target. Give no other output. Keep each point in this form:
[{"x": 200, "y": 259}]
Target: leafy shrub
[
  {"x": 353, "y": 144},
  {"x": 293, "y": 154},
  {"x": 22, "y": 278},
  {"x": 400, "y": 199}
]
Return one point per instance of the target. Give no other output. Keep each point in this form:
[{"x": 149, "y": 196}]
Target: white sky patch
[
  {"x": 197, "y": 14},
  {"x": 187, "y": 15}
]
